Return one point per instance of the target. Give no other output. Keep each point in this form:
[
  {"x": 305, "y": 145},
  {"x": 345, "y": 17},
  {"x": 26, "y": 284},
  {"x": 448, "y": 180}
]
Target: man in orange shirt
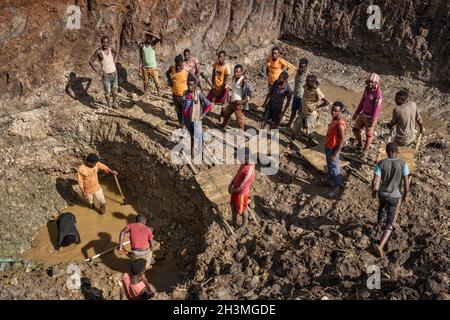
[
  {"x": 221, "y": 73},
  {"x": 177, "y": 77},
  {"x": 276, "y": 65},
  {"x": 88, "y": 180}
]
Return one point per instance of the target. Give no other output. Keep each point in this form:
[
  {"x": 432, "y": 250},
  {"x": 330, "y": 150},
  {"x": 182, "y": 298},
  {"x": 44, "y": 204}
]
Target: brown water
[{"x": 99, "y": 233}]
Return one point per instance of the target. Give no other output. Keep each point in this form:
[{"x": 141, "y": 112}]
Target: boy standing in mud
[
  {"x": 388, "y": 178},
  {"x": 313, "y": 99},
  {"x": 300, "y": 81},
  {"x": 273, "y": 104},
  {"x": 88, "y": 181}
]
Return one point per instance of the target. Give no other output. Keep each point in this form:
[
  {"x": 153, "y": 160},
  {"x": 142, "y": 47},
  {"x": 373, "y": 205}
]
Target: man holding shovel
[
  {"x": 141, "y": 238},
  {"x": 88, "y": 181}
]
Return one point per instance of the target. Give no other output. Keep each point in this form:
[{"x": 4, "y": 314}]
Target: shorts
[
  {"x": 222, "y": 98},
  {"x": 239, "y": 202},
  {"x": 297, "y": 104},
  {"x": 152, "y": 72},
  {"x": 273, "y": 114},
  {"x": 389, "y": 205},
  {"x": 405, "y": 141},
  {"x": 99, "y": 195},
  {"x": 146, "y": 255},
  {"x": 305, "y": 121},
  {"x": 110, "y": 82}
]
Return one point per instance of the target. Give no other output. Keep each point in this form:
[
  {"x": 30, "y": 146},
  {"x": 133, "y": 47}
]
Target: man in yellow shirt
[
  {"x": 177, "y": 77},
  {"x": 276, "y": 65},
  {"x": 221, "y": 73},
  {"x": 88, "y": 180}
]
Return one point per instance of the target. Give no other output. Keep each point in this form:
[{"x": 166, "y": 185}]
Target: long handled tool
[
  {"x": 104, "y": 252},
  {"x": 419, "y": 139},
  {"x": 120, "y": 189},
  {"x": 253, "y": 215}
]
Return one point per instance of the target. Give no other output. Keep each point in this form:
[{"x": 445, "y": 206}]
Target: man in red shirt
[
  {"x": 240, "y": 191},
  {"x": 334, "y": 141},
  {"x": 141, "y": 240}
]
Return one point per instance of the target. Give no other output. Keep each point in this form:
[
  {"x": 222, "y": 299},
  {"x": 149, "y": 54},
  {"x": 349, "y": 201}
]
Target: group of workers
[{"x": 390, "y": 182}]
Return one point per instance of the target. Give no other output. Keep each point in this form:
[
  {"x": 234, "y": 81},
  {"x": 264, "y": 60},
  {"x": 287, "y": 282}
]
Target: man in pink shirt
[
  {"x": 368, "y": 111},
  {"x": 141, "y": 240},
  {"x": 240, "y": 191}
]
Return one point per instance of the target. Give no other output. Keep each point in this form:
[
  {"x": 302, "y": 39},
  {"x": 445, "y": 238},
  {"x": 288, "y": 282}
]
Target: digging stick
[
  {"x": 253, "y": 215},
  {"x": 106, "y": 251},
  {"x": 189, "y": 163},
  {"x": 419, "y": 139},
  {"x": 120, "y": 189},
  {"x": 223, "y": 220}
]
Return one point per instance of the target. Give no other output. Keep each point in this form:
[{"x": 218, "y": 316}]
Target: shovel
[{"x": 120, "y": 190}]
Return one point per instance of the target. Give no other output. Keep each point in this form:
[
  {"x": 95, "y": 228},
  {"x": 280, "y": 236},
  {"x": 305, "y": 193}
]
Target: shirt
[
  {"x": 179, "y": 81},
  {"x": 277, "y": 94},
  {"x": 391, "y": 171},
  {"x": 133, "y": 290},
  {"x": 405, "y": 117},
  {"x": 244, "y": 178},
  {"x": 67, "y": 225},
  {"x": 140, "y": 236},
  {"x": 300, "y": 81},
  {"x": 148, "y": 56},
  {"x": 220, "y": 72},
  {"x": 237, "y": 91},
  {"x": 194, "y": 105},
  {"x": 276, "y": 67},
  {"x": 311, "y": 99},
  {"x": 88, "y": 177},
  {"x": 370, "y": 103},
  {"x": 192, "y": 64},
  {"x": 332, "y": 137}
]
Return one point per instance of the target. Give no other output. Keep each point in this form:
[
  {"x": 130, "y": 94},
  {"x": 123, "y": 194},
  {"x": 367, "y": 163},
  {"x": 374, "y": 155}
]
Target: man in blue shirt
[{"x": 388, "y": 177}]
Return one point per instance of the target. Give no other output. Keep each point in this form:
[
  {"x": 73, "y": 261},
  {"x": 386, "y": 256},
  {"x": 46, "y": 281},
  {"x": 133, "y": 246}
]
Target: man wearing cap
[{"x": 368, "y": 111}]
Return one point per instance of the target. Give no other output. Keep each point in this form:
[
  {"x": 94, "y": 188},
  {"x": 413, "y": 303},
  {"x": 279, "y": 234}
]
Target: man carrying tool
[
  {"x": 389, "y": 175},
  {"x": 147, "y": 59},
  {"x": 241, "y": 93},
  {"x": 273, "y": 104},
  {"x": 368, "y": 111},
  {"x": 195, "y": 107},
  {"x": 193, "y": 64},
  {"x": 141, "y": 240},
  {"x": 276, "y": 65},
  {"x": 240, "y": 191},
  {"x": 67, "y": 230},
  {"x": 107, "y": 57},
  {"x": 135, "y": 285},
  {"x": 177, "y": 77},
  {"x": 221, "y": 72},
  {"x": 334, "y": 141},
  {"x": 404, "y": 116},
  {"x": 88, "y": 180},
  {"x": 300, "y": 82}
]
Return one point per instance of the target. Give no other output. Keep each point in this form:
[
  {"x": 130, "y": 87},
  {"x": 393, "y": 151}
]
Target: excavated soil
[{"x": 308, "y": 247}]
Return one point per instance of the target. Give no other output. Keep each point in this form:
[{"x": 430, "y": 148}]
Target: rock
[{"x": 14, "y": 281}]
